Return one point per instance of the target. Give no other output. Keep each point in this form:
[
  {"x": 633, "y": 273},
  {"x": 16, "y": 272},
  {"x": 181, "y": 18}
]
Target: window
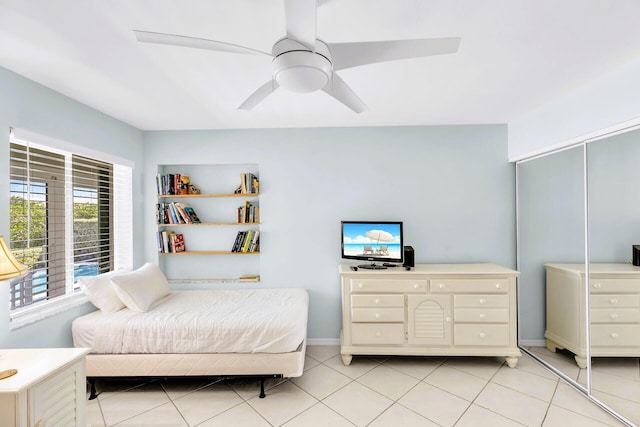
[{"x": 70, "y": 217}]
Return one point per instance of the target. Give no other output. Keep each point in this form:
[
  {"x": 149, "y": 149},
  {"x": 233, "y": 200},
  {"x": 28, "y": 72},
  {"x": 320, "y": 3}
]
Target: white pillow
[
  {"x": 140, "y": 288},
  {"x": 100, "y": 291}
]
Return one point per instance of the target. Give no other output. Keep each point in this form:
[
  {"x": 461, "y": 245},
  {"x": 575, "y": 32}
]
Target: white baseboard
[
  {"x": 323, "y": 341},
  {"x": 533, "y": 343}
]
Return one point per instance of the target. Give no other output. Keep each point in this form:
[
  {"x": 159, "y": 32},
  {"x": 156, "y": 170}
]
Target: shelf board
[
  {"x": 210, "y": 195},
  {"x": 209, "y": 253}
]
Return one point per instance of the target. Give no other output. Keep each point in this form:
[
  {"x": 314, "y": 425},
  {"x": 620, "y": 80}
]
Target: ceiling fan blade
[
  {"x": 300, "y": 17},
  {"x": 259, "y": 95},
  {"x": 343, "y": 93},
  {"x": 194, "y": 42},
  {"x": 347, "y": 55}
]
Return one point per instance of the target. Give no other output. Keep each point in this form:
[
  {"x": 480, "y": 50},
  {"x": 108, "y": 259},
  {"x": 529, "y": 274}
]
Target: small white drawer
[
  {"x": 479, "y": 301},
  {"x": 615, "y": 315},
  {"x": 614, "y": 300},
  {"x": 377, "y": 333},
  {"x": 377, "y": 314},
  {"x": 607, "y": 285},
  {"x": 377, "y": 300},
  {"x": 615, "y": 335},
  {"x": 481, "y": 335},
  {"x": 399, "y": 286},
  {"x": 470, "y": 285},
  {"x": 482, "y": 315}
]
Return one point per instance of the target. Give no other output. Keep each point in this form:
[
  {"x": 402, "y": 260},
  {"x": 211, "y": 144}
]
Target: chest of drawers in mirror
[
  {"x": 433, "y": 309},
  {"x": 614, "y": 309}
]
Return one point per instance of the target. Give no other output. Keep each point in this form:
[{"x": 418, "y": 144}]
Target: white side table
[{"x": 48, "y": 390}]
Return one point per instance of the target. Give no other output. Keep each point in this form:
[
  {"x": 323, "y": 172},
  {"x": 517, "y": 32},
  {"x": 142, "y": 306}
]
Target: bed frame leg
[
  {"x": 92, "y": 383},
  {"x": 262, "y": 395}
]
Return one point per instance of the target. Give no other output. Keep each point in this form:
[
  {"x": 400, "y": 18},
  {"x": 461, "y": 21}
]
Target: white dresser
[
  {"x": 430, "y": 310},
  {"x": 48, "y": 390},
  {"x": 615, "y": 310}
]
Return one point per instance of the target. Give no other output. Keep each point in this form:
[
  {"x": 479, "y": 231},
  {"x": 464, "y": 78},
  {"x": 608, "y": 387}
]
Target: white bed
[{"x": 221, "y": 333}]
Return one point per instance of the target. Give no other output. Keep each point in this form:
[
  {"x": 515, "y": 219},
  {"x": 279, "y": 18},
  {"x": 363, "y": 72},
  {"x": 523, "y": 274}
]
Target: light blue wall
[
  {"x": 451, "y": 185},
  {"x": 28, "y": 105}
]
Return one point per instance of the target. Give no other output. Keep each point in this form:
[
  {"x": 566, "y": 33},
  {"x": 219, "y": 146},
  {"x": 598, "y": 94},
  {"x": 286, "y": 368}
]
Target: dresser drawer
[
  {"x": 377, "y": 300},
  {"x": 621, "y": 300},
  {"x": 388, "y": 285},
  {"x": 478, "y": 301},
  {"x": 481, "y": 335},
  {"x": 615, "y": 315},
  {"x": 481, "y": 315},
  {"x": 615, "y": 335},
  {"x": 377, "y": 314},
  {"x": 614, "y": 285},
  {"x": 377, "y": 333},
  {"x": 470, "y": 285}
]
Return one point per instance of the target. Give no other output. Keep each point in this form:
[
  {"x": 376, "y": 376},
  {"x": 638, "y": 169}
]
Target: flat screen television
[{"x": 378, "y": 242}]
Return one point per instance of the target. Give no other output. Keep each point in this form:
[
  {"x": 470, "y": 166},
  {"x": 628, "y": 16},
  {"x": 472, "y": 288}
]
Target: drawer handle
[
  {"x": 597, "y": 285},
  {"x": 360, "y": 285},
  {"x": 378, "y": 315},
  {"x": 483, "y": 316},
  {"x": 482, "y": 335},
  {"x": 614, "y": 335},
  {"x": 377, "y": 301},
  {"x": 378, "y": 334},
  {"x": 441, "y": 285},
  {"x": 483, "y": 301},
  {"x": 447, "y": 319},
  {"x": 613, "y": 300},
  {"x": 614, "y": 315},
  {"x": 416, "y": 286},
  {"x": 498, "y": 285}
]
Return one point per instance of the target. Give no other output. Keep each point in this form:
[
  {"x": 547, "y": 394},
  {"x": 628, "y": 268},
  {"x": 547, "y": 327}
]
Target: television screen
[{"x": 378, "y": 242}]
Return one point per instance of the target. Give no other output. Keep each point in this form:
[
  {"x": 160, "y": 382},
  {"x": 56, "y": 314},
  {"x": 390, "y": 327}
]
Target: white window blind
[{"x": 70, "y": 217}]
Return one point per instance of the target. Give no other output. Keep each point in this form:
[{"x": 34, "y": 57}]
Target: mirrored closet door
[
  {"x": 551, "y": 261},
  {"x": 613, "y": 166}
]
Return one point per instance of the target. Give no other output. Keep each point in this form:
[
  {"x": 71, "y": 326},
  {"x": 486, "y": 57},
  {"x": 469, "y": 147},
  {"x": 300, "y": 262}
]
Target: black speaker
[
  {"x": 409, "y": 257},
  {"x": 636, "y": 255}
]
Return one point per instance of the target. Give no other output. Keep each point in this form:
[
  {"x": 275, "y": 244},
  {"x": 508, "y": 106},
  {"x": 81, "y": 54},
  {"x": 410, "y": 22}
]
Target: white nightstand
[{"x": 48, "y": 390}]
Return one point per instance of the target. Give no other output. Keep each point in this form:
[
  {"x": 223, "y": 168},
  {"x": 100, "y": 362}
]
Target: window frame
[{"x": 120, "y": 222}]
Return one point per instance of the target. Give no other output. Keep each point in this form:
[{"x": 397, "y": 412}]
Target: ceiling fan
[{"x": 303, "y": 63}]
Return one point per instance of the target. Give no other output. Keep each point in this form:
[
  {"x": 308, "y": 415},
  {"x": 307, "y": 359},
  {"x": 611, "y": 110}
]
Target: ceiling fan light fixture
[{"x": 302, "y": 71}]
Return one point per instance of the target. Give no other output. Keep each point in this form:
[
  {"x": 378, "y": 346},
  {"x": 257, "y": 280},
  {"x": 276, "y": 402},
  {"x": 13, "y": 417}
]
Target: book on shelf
[
  {"x": 191, "y": 213},
  {"x": 246, "y": 241},
  {"x": 248, "y": 213},
  {"x": 172, "y": 184},
  {"x": 170, "y": 242},
  {"x": 249, "y": 183},
  {"x": 176, "y": 213},
  {"x": 177, "y": 243}
]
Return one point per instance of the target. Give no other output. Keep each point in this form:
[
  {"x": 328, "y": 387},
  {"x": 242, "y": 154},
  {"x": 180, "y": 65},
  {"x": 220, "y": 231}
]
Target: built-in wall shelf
[{"x": 207, "y": 221}]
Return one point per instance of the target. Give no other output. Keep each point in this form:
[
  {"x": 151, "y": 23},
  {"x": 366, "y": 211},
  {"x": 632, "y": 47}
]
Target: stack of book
[
  {"x": 172, "y": 184},
  {"x": 170, "y": 242},
  {"x": 176, "y": 213},
  {"x": 247, "y": 241},
  {"x": 249, "y": 184},
  {"x": 248, "y": 213}
]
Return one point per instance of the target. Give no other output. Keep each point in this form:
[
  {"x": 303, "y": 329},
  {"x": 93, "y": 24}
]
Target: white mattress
[{"x": 202, "y": 321}]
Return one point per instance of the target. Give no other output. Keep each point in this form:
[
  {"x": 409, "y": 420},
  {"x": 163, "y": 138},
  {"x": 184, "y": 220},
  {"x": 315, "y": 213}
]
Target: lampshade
[{"x": 9, "y": 265}]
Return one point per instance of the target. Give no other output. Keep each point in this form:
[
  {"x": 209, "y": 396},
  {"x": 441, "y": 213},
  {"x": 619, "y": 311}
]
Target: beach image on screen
[{"x": 372, "y": 240}]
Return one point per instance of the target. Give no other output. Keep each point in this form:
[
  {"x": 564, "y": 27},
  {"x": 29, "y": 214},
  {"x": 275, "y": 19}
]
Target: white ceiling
[{"x": 514, "y": 56}]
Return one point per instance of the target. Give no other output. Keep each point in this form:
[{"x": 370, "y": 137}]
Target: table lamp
[{"x": 9, "y": 268}]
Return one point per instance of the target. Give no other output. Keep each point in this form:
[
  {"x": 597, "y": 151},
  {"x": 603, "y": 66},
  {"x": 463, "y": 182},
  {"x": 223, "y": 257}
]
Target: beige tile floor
[{"x": 372, "y": 391}]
